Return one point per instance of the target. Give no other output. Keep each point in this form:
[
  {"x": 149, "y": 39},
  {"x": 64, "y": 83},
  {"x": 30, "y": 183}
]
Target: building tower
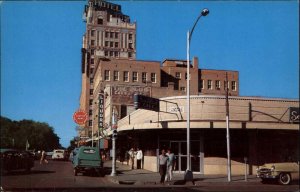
[{"x": 109, "y": 34}]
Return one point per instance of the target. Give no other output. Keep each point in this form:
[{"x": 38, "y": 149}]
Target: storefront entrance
[{"x": 179, "y": 148}]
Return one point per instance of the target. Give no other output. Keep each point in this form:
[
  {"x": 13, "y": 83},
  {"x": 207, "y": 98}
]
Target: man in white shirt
[{"x": 139, "y": 157}]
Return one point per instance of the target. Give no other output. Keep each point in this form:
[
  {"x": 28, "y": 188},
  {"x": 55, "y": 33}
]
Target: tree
[{"x": 15, "y": 134}]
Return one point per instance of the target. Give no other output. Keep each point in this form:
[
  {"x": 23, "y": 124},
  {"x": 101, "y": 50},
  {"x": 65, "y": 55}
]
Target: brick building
[{"x": 108, "y": 58}]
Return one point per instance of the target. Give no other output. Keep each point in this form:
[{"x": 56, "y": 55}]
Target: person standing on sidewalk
[
  {"x": 171, "y": 163},
  {"x": 139, "y": 157},
  {"x": 131, "y": 153},
  {"x": 163, "y": 158}
]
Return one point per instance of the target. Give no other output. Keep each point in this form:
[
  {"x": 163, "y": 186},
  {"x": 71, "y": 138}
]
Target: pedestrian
[
  {"x": 171, "y": 164},
  {"x": 43, "y": 157},
  {"x": 131, "y": 153},
  {"x": 139, "y": 157},
  {"x": 163, "y": 158}
]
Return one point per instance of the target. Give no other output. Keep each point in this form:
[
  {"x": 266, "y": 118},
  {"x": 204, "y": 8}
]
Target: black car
[{"x": 12, "y": 159}]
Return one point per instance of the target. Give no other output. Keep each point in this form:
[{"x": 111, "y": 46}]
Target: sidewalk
[{"x": 127, "y": 176}]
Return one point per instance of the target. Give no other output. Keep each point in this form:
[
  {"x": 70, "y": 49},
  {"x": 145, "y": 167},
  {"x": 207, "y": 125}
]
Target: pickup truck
[{"x": 87, "y": 160}]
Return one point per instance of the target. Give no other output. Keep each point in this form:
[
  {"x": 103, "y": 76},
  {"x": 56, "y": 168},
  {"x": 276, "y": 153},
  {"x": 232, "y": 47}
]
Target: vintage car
[
  {"x": 86, "y": 160},
  {"x": 284, "y": 173},
  {"x": 12, "y": 159},
  {"x": 58, "y": 154}
]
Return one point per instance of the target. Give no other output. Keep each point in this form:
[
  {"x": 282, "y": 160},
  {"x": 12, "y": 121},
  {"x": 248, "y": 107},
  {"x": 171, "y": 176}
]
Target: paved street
[{"x": 58, "y": 176}]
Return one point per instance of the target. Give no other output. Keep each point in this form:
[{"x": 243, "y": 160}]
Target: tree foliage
[{"x": 40, "y": 136}]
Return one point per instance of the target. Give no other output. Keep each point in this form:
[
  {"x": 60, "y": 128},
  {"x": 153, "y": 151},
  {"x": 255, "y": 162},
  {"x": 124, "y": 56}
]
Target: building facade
[{"x": 109, "y": 59}]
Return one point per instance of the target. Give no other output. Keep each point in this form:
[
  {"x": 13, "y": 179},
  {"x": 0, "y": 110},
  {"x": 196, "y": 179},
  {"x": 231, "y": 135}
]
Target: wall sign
[{"x": 294, "y": 114}]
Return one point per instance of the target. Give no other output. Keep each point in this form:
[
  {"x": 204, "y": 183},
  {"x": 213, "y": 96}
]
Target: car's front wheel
[{"x": 284, "y": 178}]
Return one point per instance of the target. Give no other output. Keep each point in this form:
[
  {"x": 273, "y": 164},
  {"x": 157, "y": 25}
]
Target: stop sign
[{"x": 80, "y": 117}]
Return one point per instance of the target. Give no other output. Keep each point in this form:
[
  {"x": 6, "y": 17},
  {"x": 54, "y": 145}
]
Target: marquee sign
[{"x": 294, "y": 114}]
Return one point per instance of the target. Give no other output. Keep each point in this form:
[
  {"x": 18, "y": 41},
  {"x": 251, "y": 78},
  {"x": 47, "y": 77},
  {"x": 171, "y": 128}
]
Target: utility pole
[
  {"x": 114, "y": 137},
  {"x": 227, "y": 132}
]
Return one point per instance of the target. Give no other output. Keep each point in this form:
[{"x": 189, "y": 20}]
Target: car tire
[{"x": 284, "y": 178}]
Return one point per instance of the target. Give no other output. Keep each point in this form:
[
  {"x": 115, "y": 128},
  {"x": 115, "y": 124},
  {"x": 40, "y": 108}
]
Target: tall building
[
  {"x": 109, "y": 34},
  {"x": 109, "y": 60}
]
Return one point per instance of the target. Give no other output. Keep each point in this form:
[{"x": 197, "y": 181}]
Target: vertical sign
[{"x": 101, "y": 112}]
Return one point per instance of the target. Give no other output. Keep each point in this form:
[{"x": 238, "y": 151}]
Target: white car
[{"x": 58, "y": 154}]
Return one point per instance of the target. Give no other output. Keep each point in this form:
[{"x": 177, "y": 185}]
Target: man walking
[
  {"x": 171, "y": 163},
  {"x": 163, "y": 158}
]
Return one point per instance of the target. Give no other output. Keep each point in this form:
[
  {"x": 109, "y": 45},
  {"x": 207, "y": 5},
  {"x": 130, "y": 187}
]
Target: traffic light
[{"x": 115, "y": 134}]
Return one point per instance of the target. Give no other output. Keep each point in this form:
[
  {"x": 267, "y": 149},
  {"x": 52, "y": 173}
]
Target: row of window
[
  {"x": 217, "y": 85},
  {"x": 126, "y": 76},
  {"x": 111, "y": 34}
]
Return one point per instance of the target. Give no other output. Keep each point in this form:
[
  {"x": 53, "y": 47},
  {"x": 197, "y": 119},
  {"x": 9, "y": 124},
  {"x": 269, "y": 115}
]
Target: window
[
  {"x": 91, "y": 80},
  {"x": 226, "y": 83},
  {"x": 129, "y": 54},
  {"x": 111, "y": 44},
  {"x": 90, "y": 123},
  {"x": 100, "y": 21},
  {"x": 106, "y": 34},
  {"x": 116, "y": 44},
  {"x": 91, "y": 91},
  {"x": 116, "y": 35},
  {"x": 91, "y": 101},
  {"x": 209, "y": 84},
  {"x": 111, "y": 34},
  {"x": 126, "y": 76},
  {"x": 233, "y": 85},
  {"x": 144, "y": 77},
  {"x": 185, "y": 76},
  {"x": 153, "y": 77},
  {"x": 111, "y": 53},
  {"x": 130, "y": 36},
  {"x": 106, "y": 75},
  {"x": 116, "y": 54},
  {"x": 182, "y": 88},
  {"x": 134, "y": 76},
  {"x": 91, "y": 70},
  {"x": 130, "y": 45},
  {"x": 106, "y": 43},
  {"x": 92, "y": 42},
  {"x": 90, "y": 112},
  {"x": 218, "y": 85},
  {"x": 116, "y": 75},
  {"x": 178, "y": 75},
  {"x": 202, "y": 84},
  {"x": 106, "y": 53},
  {"x": 92, "y": 51},
  {"x": 92, "y": 61},
  {"x": 93, "y": 33}
]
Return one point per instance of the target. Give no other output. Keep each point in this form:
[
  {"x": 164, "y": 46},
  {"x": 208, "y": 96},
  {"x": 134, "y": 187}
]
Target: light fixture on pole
[{"x": 188, "y": 174}]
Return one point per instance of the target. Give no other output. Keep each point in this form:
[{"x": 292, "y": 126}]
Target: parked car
[
  {"x": 12, "y": 159},
  {"x": 58, "y": 154},
  {"x": 284, "y": 173},
  {"x": 87, "y": 159}
]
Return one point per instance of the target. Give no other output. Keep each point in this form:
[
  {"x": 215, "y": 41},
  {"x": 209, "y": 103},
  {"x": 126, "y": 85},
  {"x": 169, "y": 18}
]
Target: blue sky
[{"x": 41, "y": 41}]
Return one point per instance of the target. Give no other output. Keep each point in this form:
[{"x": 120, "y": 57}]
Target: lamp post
[{"x": 204, "y": 12}]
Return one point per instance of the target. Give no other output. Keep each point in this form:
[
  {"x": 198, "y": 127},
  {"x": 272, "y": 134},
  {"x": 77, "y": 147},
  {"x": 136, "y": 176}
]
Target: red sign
[{"x": 80, "y": 117}]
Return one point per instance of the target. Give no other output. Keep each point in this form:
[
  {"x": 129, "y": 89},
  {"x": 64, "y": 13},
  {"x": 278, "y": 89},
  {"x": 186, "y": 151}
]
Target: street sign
[{"x": 80, "y": 117}]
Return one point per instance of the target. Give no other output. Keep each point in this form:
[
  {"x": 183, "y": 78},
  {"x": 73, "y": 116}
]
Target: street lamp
[{"x": 204, "y": 12}]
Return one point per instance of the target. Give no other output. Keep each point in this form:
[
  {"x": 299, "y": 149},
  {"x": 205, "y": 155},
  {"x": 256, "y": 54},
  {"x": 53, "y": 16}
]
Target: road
[{"x": 59, "y": 176}]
